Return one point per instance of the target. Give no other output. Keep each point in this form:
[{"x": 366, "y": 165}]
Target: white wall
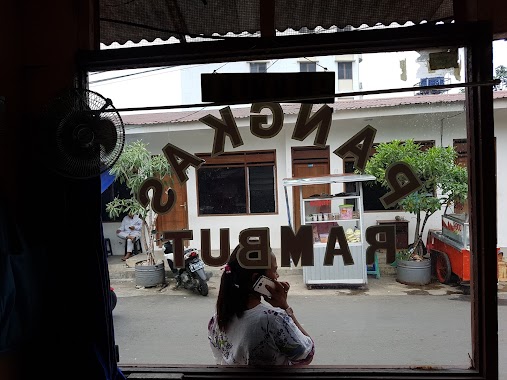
[
  {"x": 419, "y": 123},
  {"x": 418, "y": 127},
  {"x": 117, "y": 244},
  {"x": 382, "y": 70},
  {"x": 200, "y": 141}
]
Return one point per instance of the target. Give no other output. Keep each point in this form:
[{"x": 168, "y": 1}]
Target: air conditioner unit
[{"x": 434, "y": 81}]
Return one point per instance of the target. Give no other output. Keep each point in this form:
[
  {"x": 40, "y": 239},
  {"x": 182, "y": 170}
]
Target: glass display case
[
  {"x": 324, "y": 211},
  {"x": 455, "y": 227}
]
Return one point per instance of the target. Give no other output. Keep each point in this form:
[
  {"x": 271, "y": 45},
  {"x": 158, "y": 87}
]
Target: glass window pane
[
  {"x": 500, "y": 121},
  {"x": 222, "y": 191},
  {"x": 374, "y": 312},
  {"x": 344, "y": 70},
  {"x": 258, "y": 67},
  {"x": 261, "y": 181},
  {"x": 307, "y": 66}
]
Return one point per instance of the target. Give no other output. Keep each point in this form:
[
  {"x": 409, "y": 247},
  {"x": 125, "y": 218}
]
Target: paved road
[
  {"x": 166, "y": 326},
  {"x": 419, "y": 330}
]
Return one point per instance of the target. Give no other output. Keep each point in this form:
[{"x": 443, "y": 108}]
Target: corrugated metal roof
[
  {"x": 293, "y": 108},
  {"x": 122, "y": 21}
]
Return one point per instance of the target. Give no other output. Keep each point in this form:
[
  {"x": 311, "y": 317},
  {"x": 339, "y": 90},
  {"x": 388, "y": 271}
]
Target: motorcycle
[{"x": 193, "y": 275}]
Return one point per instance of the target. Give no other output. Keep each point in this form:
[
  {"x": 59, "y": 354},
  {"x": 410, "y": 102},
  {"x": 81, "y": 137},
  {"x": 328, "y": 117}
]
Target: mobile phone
[{"x": 260, "y": 287}]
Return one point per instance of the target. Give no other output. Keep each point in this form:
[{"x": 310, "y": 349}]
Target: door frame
[{"x": 306, "y": 155}]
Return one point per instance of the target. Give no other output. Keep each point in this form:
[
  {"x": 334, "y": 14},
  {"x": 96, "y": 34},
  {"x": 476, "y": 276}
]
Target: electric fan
[{"x": 82, "y": 134}]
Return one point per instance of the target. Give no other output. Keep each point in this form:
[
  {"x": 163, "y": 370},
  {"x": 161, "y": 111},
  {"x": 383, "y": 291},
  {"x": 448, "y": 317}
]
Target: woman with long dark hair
[{"x": 246, "y": 331}]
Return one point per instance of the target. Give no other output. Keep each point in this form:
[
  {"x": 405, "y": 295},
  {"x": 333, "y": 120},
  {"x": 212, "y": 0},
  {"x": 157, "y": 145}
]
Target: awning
[
  {"x": 325, "y": 179},
  {"x": 122, "y": 21},
  {"x": 106, "y": 180}
]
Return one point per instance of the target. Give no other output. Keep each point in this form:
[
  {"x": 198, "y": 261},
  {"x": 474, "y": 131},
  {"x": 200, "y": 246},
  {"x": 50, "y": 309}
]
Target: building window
[
  {"x": 307, "y": 67},
  {"x": 237, "y": 183},
  {"x": 344, "y": 70},
  {"x": 460, "y": 146},
  {"x": 372, "y": 190},
  {"x": 258, "y": 67}
]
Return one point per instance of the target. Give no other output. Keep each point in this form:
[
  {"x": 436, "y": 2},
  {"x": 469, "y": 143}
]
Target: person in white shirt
[
  {"x": 246, "y": 331},
  {"x": 130, "y": 230}
]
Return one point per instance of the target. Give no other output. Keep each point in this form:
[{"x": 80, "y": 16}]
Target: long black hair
[{"x": 235, "y": 287}]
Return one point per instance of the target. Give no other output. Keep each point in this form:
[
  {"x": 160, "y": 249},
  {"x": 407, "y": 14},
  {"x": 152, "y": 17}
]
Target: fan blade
[
  {"x": 106, "y": 134},
  {"x": 81, "y": 134}
]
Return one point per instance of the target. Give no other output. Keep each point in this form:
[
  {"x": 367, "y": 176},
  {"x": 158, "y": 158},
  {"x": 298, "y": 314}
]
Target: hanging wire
[{"x": 337, "y": 95}]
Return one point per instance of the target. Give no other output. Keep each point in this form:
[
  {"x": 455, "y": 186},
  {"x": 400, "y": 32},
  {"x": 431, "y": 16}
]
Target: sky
[{"x": 499, "y": 53}]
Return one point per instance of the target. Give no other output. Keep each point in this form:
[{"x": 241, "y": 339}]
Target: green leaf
[
  {"x": 444, "y": 181},
  {"x": 133, "y": 167}
]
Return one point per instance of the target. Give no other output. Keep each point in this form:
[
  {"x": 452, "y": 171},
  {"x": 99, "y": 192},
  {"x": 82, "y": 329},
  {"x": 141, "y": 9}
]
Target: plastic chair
[
  {"x": 374, "y": 269},
  {"x": 107, "y": 247},
  {"x": 137, "y": 247}
]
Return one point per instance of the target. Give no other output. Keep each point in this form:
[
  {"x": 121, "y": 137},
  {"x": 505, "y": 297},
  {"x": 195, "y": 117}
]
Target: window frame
[
  {"x": 477, "y": 38},
  {"x": 345, "y": 70},
  {"x": 258, "y": 65},
  {"x": 244, "y": 159},
  {"x": 308, "y": 64}
]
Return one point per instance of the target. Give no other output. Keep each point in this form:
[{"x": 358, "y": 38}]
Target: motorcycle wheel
[
  {"x": 203, "y": 287},
  {"x": 114, "y": 298}
]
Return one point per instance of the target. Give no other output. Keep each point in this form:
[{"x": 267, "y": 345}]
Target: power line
[
  {"x": 128, "y": 75},
  {"x": 176, "y": 68}
]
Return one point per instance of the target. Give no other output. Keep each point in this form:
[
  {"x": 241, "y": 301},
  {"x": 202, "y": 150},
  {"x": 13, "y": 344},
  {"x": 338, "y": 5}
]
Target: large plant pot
[
  {"x": 149, "y": 275},
  {"x": 413, "y": 272}
]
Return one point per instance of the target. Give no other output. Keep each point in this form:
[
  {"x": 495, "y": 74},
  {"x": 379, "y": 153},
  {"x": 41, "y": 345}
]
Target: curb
[
  {"x": 125, "y": 270},
  {"x": 121, "y": 272}
]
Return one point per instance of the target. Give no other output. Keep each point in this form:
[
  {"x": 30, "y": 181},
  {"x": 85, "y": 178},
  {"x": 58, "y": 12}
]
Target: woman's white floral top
[{"x": 262, "y": 336}]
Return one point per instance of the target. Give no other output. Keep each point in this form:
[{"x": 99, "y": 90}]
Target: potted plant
[
  {"x": 444, "y": 184},
  {"x": 133, "y": 167}
]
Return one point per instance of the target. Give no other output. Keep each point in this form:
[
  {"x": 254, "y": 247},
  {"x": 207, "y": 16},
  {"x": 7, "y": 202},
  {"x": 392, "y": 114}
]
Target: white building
[
  {"x": 434, "y": 119},
  {"x": 437, "y": 119}
]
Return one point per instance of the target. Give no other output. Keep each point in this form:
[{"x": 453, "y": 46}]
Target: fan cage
[{"x": 84, "y": 134}]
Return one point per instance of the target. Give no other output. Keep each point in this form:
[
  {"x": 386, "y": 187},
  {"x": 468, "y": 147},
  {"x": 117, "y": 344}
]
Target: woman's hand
[{"x": 278, "y": 294}]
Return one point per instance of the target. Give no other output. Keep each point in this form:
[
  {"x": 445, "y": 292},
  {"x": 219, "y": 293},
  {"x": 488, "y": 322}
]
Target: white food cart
[{"x": 323, "y": 211}]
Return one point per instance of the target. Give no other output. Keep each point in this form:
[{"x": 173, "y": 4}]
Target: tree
[
  {"x": 501, "y": 73},
  {"x": 133, "y": 167},
  {"x": 444, "y": 182}
]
